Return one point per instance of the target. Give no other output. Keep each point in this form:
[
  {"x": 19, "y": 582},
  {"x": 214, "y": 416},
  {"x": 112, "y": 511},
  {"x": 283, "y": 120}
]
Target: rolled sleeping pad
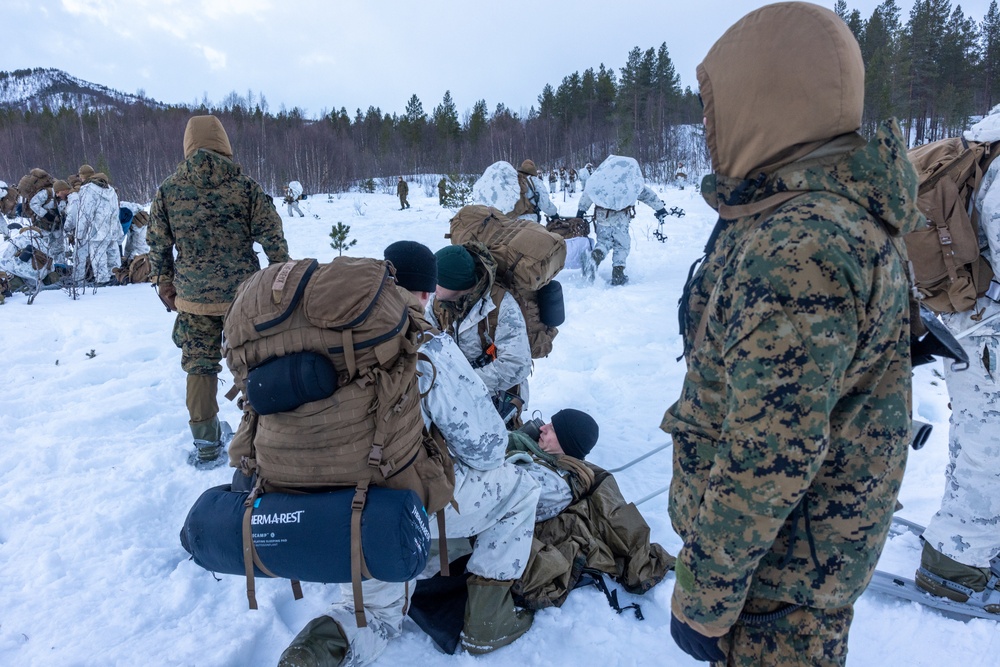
[
  {"x": 308, "y": 536},
  {"x": 551, "y": 309}
]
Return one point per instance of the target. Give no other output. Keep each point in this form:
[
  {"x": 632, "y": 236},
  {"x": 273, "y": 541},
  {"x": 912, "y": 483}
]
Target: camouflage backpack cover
[
  {"x": 949, "y": 270},
  {"x": 527, "y": 257},
  {"x": 369, "y": 431}
]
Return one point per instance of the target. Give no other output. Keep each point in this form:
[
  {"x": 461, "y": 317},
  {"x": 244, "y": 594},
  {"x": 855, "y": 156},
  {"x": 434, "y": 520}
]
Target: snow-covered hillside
[
  {"x": 55, "y": 89},
  {"x": 94, "y": 484}
]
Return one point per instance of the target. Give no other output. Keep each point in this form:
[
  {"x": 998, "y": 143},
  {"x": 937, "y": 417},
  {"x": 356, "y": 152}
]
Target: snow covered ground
[{"x": 94, "y": 484}]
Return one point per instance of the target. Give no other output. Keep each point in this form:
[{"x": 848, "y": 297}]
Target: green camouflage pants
[
  {"x": 807, "y": 637},
  {"x": 200, "y": 340}
]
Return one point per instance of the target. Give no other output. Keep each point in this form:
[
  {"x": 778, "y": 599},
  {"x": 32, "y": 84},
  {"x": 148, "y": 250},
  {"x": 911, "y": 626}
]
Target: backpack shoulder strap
[{"x": 488, "y": 325}]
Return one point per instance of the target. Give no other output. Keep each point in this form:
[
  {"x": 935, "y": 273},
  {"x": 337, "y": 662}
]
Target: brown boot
[
  {"x": 491, "y": 620},
  {"x": 322, "y": 643},
  {"x": 943, "y": 576}
]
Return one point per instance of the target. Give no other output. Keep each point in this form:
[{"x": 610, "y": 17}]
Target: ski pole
[
  {"x": 644, "y": 456},
  {"x": 651, "y": 495}
]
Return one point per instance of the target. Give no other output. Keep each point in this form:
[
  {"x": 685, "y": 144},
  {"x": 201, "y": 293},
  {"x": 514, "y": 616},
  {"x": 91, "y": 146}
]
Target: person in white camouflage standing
[
  {"x": 961, "y": 550},
  {"x": 96, "y": 228},
  {"x": 791, "y": 431},
  {"x": 611, "y": 217},
  {"x": 211, "y": 213}
]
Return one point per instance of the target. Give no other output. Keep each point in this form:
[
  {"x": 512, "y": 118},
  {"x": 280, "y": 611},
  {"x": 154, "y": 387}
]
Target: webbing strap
[
  {"x": 248, "y": 557},
  {"x": 251, "y": 558},
  {"x": 357, "y": 557},
  {"x": 349, "y": 358}
]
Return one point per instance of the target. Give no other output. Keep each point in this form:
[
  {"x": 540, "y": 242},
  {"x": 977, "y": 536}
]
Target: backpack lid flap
[
  {"x": 344, "y": 292},
  {"x": 286, "y": 287}
]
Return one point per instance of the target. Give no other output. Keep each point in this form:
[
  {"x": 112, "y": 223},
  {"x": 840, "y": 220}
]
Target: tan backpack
[
  {"x": 29, "y": 185},
  {"x": 950, "y": 272},
  {"x": 527, "y": 256},
  {"x": 569, "y": 228},
  {"x": 351, "y": 315}
]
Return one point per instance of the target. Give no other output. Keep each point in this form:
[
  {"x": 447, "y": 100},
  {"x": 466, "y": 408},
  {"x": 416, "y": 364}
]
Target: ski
[{"x": 905, "y": 588}]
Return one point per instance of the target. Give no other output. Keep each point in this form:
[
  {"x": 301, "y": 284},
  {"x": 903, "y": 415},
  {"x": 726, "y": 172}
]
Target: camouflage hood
[
  {"x": 780, "y": 83},
  {"x": 206, "y": 170},
  {"x": 876, "y": 175},
  {"x": 206, "y": 132}
]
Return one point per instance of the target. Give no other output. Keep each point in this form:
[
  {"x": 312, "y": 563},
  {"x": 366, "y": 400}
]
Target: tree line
[{"x": 932, "y": 72}]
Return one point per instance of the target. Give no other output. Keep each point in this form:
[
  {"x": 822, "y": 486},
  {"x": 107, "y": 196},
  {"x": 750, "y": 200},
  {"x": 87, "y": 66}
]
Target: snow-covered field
[{"x": 94, "y": 484}]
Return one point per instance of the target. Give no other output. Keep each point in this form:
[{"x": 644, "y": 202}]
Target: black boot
[{"x": 618, "y": 276}]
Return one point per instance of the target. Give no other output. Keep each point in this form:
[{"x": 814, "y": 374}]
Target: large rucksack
[
  {"x": 326, "y": 355},
  {"x": 29, "y": 185},
  {"x": 527, "y": 256},
  {"x": 949, "y": 270}
]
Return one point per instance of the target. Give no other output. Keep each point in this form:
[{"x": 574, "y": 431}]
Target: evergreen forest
[{"x": 935, "y": 70}]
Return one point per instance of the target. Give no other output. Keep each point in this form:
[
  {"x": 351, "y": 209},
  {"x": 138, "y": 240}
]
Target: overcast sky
[{"x": 324, "y": 54}]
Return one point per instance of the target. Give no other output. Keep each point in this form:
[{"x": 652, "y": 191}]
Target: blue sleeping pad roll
[{"x": 308, "y": 536}]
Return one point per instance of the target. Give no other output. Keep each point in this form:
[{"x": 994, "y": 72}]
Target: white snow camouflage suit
[
  {"x": 497, "y": 500},
  {"x": 967, "y": 527},
  {"x": 97, "y": 232},
  {"x": 612, "y": 226}
]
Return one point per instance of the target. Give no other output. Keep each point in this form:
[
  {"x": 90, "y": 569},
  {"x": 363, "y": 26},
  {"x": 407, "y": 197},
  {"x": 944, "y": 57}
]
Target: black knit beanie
[
  {"x": 577, "y": 432},
  {"x": 416, "y": 266},
  {"x": 456, "y": 270}
]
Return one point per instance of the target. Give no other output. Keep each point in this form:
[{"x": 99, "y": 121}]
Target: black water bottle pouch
[{"x": 284, "y": 383}]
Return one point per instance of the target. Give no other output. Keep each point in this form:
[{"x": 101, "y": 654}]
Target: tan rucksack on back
[
  {"x": 569, "y": 228},
  {"x": 367, "y": 430},
  {"x": 528, "y": 257},
  {"x": 950, "y": 272},
  {"x": 29, "y": 186}
]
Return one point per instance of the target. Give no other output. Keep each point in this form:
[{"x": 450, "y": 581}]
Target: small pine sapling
[{"x": 339, "y": 233}]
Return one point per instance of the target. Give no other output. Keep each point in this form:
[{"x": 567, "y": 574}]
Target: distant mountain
[{"x": 35, "y": 89}]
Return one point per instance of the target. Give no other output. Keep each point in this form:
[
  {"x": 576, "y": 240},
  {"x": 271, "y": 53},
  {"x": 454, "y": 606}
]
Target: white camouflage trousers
[
  {"x": 612, "y": 234},
  {"x": 384, "y": 604},
  {"x": 967, "y": 527},
  {"x": 497, "y": 508}
]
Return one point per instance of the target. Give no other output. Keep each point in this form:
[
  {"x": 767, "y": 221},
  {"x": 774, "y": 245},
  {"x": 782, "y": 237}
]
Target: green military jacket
[
  {"x": 211, "y": 213},
  {"x": 791, "y": 431}
]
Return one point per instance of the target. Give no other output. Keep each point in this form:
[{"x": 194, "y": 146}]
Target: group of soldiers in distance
[{"x": 73, "y": 232}]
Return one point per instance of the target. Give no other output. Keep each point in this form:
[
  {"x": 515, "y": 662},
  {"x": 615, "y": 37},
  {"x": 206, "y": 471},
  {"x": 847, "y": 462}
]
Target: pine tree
[
  {"x": 989, "y": 43},
  {"x": 478, "y": 121},
  {"x": 339, "y": 233},
  {"x": 445, "y": 119}
]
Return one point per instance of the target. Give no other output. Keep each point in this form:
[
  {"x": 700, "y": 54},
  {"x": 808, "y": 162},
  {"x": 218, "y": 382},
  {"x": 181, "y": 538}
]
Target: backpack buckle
[{"x": 375, "y": 456}]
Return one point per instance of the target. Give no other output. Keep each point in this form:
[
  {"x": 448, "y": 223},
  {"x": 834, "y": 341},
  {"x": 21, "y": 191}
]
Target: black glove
[
  {"x": 580, "y": 214},
  {"x": 661, "y": 214},
  {"x": 695, "y": 644},
  {"x": 25, "y": 255},
  {"x": 50, "y": 216},
  {"x": 554, "y": 216}
]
